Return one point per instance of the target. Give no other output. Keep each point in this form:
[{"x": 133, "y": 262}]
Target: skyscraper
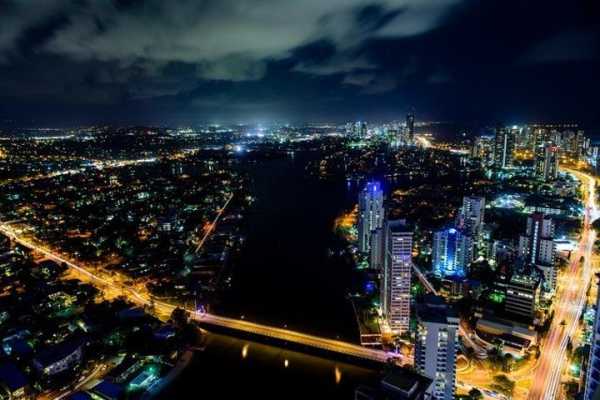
[
  {"x": 377, "y": 255},
  {"x": 504, "y": 146},
  {"x": 546, "y": 163},
  {"x": 452, "y": 253},
  {"x": 471, "y": 215},
  {"x": 537, "y": 245},
  {"x": 360, "y": 129},
  {"x": 436, "y": 345},
  {"x": 395, "y": 285},
  {"x": 410, "y": 127},
  {"x": 371, "y": 213}
]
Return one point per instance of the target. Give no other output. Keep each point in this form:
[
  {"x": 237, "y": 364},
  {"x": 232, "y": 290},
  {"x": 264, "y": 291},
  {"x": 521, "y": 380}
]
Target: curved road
[{"x": 569, "y": 303}]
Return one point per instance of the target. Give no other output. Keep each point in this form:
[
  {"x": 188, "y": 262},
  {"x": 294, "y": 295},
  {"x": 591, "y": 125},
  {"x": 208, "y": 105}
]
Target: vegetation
[
  {"x": 504, "y": 385},
  {"x": 475, "y": 394}
]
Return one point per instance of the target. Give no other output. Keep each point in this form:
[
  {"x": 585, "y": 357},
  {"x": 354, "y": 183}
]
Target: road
[
  {"x": 213, "y": 224},
  {"x": 114, "y": 286},
  {"x": 335, "y": 346},
  {"x": 569, "y": 301},
  {"x": 98, "y": 164},
  {"x": 480, "y": 350}
]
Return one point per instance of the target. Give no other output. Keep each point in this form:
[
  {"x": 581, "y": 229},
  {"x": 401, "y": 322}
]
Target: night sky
[{"x": 218, "y": 61}]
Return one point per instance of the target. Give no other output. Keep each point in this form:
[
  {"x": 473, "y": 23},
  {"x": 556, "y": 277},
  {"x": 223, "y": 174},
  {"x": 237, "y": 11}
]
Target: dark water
[
  {"x": 286, "y": 274},
  {"x": 233, "y": 368}
]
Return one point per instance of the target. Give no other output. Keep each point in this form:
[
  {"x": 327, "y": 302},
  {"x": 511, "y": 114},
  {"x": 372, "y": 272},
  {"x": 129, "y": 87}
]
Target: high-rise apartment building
[
  {"x": 537, "y": 245},
  {"x": 436, "y": 346},
  {"x": 395, "y": 285},
  {"x": 452, "y": 253},
  {"x": 371, "y": 214},
  {"x": 471, "y": 215},
  {"x": 410, "y": 127},
  {"x": 546, "y": 163},
  {"x": 504, "y": 145}
]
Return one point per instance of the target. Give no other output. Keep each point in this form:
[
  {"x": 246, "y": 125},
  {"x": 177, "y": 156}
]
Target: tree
[
  {"x": 508, "y": 362},
  {"x": 571, "y": 390},
  {"x": 180, "y": 317},
  {"x": 475, "y": 394},
  {"x": 503, "y": 385},
  {"x": 495, "y": 359}
]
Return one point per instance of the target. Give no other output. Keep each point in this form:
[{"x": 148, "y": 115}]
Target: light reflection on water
[{"x": 267, "y": 371}]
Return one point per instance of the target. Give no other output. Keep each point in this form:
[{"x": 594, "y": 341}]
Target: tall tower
[
  {"x": 471, "y": 215},
  {"x": 395, "y": 286},
  {"x": 452, "y": 253},
  {"x": 537, "y": 245},
  {"x": 436, "y": 344},
  {"x": 504, "y": 146},
  {"x": 370, "y": 208},
  {"x": 538, "y": 248},
  {"x": 546, "y": 163},
  {"x": 410, "y": 127}
]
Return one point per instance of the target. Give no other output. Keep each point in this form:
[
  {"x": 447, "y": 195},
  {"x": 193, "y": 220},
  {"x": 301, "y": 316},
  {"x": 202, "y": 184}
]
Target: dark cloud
[
  {"x": 296, "y": 59},
  {"x": 564, "y": 47}
]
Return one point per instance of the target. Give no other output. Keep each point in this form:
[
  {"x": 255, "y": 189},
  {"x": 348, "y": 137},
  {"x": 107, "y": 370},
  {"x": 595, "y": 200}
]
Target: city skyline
[{"x": 340, "y": 199}]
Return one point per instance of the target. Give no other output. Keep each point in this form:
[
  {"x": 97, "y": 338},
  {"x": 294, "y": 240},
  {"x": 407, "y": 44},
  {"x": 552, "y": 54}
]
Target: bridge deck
[{"x": 297, "y": 337}]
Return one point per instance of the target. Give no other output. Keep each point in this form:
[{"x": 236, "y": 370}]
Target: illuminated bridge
[{"x": 286, "y": 335}]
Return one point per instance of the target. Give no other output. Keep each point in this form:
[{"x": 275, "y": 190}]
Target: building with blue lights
[
  {"x": 452, "y": 253},
  {"x": 371, "y": 214}
]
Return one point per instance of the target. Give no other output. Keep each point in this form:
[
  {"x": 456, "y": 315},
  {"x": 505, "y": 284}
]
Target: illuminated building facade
[
  {"x": 371, "y": 214},
  {"x": 410, "y": 127},
  {"x": 537, "y": 245},
  {"x": 504, "y": 145},
  {"x": 452, "y": 253},
  {"x": 546, "y": 163},
  {"x": 395, "y": 285},
  {"x": 522, "y": 295},
  {"x": 436, "y": 345},
  {"x": 471, "y": 215}
]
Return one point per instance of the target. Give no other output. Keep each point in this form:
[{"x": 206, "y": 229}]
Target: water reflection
[
  {"x": 338, "y": 375},
  {"x": 261, "y": 375}
]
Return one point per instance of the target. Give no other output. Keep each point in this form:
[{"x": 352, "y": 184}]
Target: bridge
[
  {"x": 287, "y": 335},
  {"x": 112, "y": 285}
]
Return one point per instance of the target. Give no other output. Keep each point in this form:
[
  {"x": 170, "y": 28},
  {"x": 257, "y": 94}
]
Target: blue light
[
  {"x": 373, "y": 186},
  {"x": 449, "y": 244}
]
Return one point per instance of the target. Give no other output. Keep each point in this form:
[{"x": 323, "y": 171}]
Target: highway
[
  {"x": 114, "y": 286},
  {"x": 569, "y": 302}
]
